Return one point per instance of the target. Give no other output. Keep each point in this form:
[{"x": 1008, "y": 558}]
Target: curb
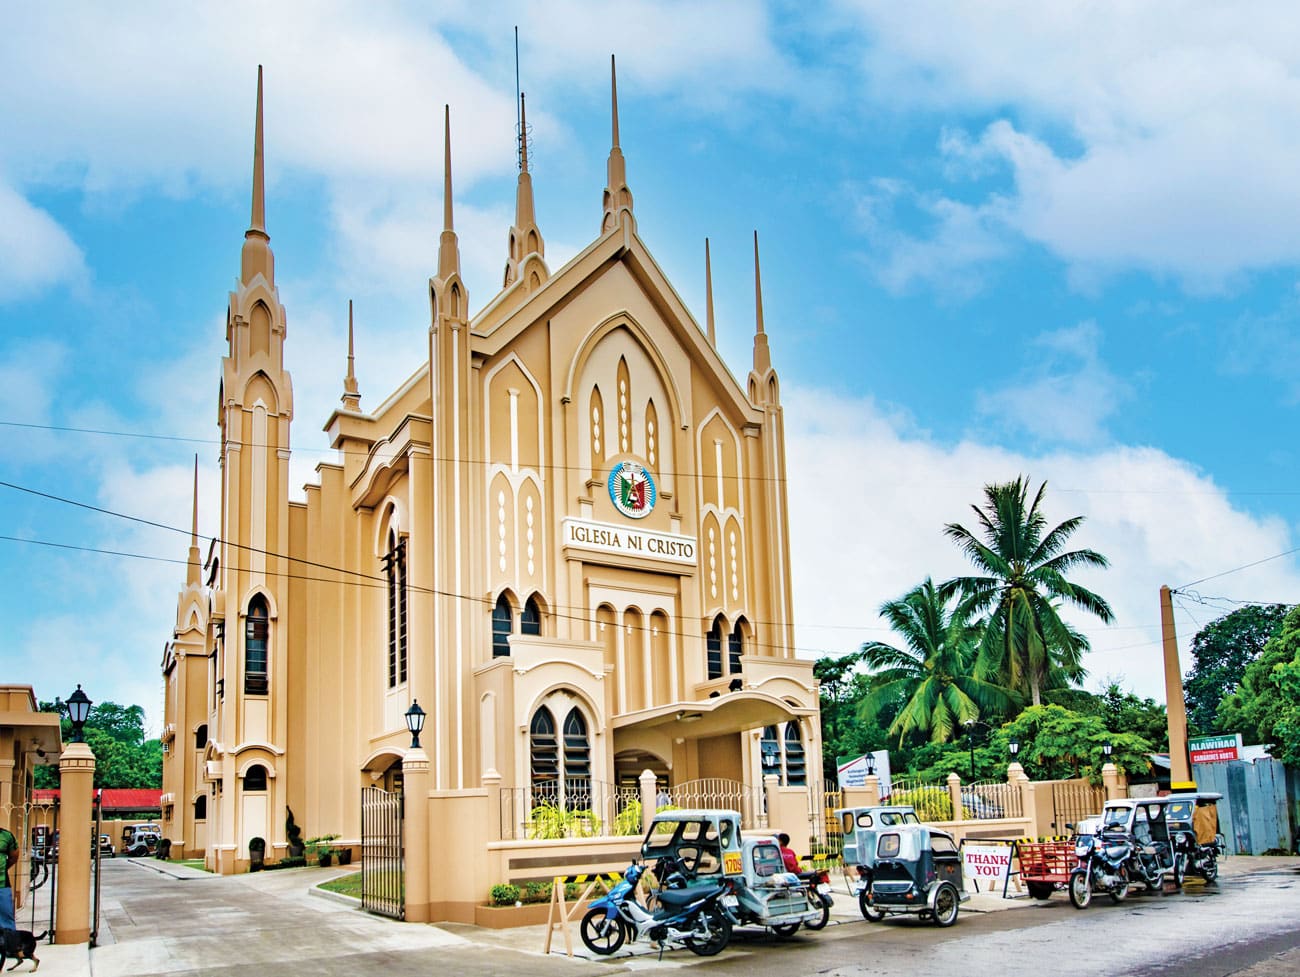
[{"x": 338, "y": 897}]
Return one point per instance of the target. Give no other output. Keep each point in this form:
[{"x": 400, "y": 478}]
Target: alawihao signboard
[{"x": 1215, "y": 749}]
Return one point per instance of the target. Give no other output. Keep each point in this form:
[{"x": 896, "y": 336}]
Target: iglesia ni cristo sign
[{"x": 621, "y": 540}]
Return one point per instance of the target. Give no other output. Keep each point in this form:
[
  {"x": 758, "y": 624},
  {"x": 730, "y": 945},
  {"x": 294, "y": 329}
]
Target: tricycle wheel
[
  {"x": 946, "y": 904},
  {"x": 821, "y": 921},
  {"x": 785, "y": 930},
  {"x": 1080, "y": 890},
  {"x": 869, "y": 911},
  {"x": 601, "y": 934},
  {"x": 719, "y": 929},
  {"x": 1180, "y": 870},
  {"x": 1040, "y": 890},
  {"x": 1211, "y": 872},
  {"x": 1155, "y": 884}
]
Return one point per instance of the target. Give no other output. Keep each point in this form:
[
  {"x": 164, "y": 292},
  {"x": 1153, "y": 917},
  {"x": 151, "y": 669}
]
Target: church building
[{"x": 564, "y": 536}]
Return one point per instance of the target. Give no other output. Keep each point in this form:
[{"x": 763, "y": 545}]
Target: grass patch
[
  {"x": 348, "y": 885},
  {"x": 193, "y": 863}
]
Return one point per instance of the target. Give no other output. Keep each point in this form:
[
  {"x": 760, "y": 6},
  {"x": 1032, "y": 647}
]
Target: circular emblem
[{"x": 632, "y": 490}]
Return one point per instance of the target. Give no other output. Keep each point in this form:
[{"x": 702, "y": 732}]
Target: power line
[{"x": 1244, "y": 566}]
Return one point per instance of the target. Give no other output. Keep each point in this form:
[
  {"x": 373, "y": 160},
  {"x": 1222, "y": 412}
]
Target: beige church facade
[{"x": 565, "y": 536}]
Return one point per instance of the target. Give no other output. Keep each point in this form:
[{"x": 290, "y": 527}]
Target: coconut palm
[
  {"x": 1021, "y": 587},
  {"x": 933, "y": 672}
]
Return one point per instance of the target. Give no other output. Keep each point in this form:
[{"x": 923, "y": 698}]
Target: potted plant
[
  {"x": 293, "y": 835},
  {"x": 256, "y": 853}
]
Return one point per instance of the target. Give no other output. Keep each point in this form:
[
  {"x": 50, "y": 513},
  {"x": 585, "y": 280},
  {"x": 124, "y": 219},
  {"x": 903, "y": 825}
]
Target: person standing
[{"x": 8, "y": 856}]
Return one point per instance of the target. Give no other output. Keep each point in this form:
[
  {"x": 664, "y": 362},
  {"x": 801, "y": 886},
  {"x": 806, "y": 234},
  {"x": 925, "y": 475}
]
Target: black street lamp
[
  {"x": 78, "y": 712},
  {"x": 970, "y": 725},
  {"x": 1013, "y": 747},
  {"x": 1107, "y": 749},
  {"x": 415, "y": 723},
  {"x": 871, "y": 765}
]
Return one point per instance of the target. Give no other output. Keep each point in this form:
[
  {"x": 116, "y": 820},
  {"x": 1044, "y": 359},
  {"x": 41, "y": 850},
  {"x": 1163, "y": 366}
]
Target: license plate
[
  {"x": 731, "y": 902},
  {"x": 824, "y": 888}
]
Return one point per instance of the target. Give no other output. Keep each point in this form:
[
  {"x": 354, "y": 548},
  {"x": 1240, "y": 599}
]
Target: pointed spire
[
  {"x": 448, "y": 244},
  {"x": 762, "y": 355},
  {"x": 193, "y": 563},
  {"x": 708, "y": 295},
  {"x": 525, "y": 237},
  {"x": 618, "y": 197},
  {"x": 256, "y": 256},
  {"x": 351, "y": 398}
]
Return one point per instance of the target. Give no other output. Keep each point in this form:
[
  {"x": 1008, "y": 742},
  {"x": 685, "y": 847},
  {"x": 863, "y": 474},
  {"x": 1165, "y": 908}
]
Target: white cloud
[
  {"x": 1065, "y": 395},
  {"x": 869, "y": 498},
  {"x": 1155, "y": 136},
  {"x": 35, "y": 252}
]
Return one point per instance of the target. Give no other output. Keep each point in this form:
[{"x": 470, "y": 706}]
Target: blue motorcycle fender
[{"x": 607, "y": 904}]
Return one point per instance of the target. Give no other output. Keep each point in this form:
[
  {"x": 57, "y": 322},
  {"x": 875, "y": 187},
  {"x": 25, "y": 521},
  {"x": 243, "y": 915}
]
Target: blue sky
[{"x": 1059, "y": 240}]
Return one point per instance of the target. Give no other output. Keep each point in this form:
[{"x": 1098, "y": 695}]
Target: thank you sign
[{"x": 987, "y": 866}]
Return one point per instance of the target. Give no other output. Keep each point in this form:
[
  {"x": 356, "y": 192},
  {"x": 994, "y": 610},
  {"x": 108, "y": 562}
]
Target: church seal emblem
[{"x": 632, "y": 490}]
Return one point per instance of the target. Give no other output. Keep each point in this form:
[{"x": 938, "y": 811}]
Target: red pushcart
[{"x": 1045, "y": 865}]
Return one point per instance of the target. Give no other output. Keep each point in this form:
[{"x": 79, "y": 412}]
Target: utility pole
[{"x": 1180, "y": 770}]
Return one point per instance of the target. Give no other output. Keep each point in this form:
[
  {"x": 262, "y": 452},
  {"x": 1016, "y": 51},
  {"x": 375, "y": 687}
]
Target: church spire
[
  {"x": 193, "y": 563},
  {"x": 351, "y": 394},
  {"x": 525, "y": 238},
  {"x": 708, "y": 295},
  {"x": 448, "y": 244},
  {"x": 256, "y": 257},
  {"x": 618, "y": 197},
  {"x": 762, "y": 355}
]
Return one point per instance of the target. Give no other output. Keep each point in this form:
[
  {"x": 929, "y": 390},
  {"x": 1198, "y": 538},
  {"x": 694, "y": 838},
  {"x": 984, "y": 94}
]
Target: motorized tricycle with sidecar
[
  {"x": 1193, "y": 819},
  {"x": 1132, "y": 845},
  {"x": 917, "y": 869},
  {"x": 860, "y": 826},
  {"x": 696, "y": 846}
]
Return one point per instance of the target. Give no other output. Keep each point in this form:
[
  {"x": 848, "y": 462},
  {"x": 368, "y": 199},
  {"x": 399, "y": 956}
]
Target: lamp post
[
  {"x": 1013, "y": 747},
  {"x": 414, "y": 722},
  {"x": 970, "y": 725},
  {"x": 78, "y": 711},
  {"x": 1107, "y": 749}
]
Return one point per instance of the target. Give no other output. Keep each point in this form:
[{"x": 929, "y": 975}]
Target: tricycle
[
  {"x": 1193, "y": 819},
  {"x": 860, "y": 827},
  {"x": 917, "y": 870},
  {"x": 706, "y": 845}
]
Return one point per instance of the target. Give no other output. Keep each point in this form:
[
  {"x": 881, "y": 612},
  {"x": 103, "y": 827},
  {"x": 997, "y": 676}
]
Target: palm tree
[
  {"x": 1021, "y": 588},
  {"x": 934, "y": 672}
]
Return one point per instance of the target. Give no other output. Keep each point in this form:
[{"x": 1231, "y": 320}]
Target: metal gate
[
  {"x": 1072, "y": 801},
  {"x": 383, "y": 879},
  {"x": 1254, "y": 814}
]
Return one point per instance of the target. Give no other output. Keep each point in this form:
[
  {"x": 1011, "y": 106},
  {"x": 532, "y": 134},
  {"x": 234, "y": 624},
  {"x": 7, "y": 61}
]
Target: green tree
[
  {"x": 1265, "y": 707},
  {"x": 1056, "y": 743},
  {"x": 1021, "y": 584},
  {"x": 933, "y": 673},
  {"x": 115, "y": 734},
  {"x": 842, "y": 688},
  {"x": 1220, "y": 653}
]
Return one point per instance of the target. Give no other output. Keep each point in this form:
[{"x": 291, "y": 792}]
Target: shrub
[
  {"x": 504, "y": 895},
  {"x": 534, "y": 892},
  {"x": 931, "y": 803},
  {"x": 552, "y": 821}
]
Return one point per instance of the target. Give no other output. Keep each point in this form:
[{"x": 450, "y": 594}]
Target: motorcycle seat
[{"x": 682, "y": 897}]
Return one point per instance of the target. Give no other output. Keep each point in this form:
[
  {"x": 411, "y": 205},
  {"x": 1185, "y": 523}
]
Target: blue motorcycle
[
  {"x": 687, "y": 914},
  {"x": 1102, "y": 868}
]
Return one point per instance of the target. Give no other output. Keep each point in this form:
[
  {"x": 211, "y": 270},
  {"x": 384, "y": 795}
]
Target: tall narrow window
[
  {"x": 255, "y": 778},
  {"x": 503, "y": 622},
  {"x": 530, "y": 619},
  {"x": 713, "y": 646},
  {"x": 257, "y": 628},
  {"x": 577, "y": 762},
  {"x": 735, "y": 647},
  {"x": 770, "y": 749},
  {"x": 201, "y": 807},
  {"x": 201, "y": 736},
  {"x": 544, "y": 760},
  {"x": 395, "y": 569},
  {"x": 796, "y": 770}
]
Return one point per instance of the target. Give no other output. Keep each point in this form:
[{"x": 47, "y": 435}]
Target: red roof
[{"x": 114, "y": 798}]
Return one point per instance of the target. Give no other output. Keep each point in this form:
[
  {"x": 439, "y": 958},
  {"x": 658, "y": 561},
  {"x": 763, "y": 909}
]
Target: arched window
[
  {"x": 735, "y": 646},
  {"x": 530, "y": 619},
  {"x": 201, "y": 736},
  {"x": 395, "y": 570},
  {"x": 796, "y": 770},
  {"x": 577, "y": 762},
  {"x": 201, "y": 807},
  {"x": 257, "y": 630},
  {"x": 255, "y": 778},
  {"x": 543, "y": 751},
  {"x": 770, "y": 749},
  {"x": 713, "y": 645},
  {"x": 503, "y": 622}
]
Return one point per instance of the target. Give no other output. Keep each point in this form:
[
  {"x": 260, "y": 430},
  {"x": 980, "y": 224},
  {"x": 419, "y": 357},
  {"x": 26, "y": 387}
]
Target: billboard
[
  {"x": 1215, "y": 749},
  {"x": 853, "y": 770}
]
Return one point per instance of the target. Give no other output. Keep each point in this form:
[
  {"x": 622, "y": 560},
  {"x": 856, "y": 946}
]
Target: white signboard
[
  {"x": 853, "y": 773},
  {"x": 987, "y": 866},
  {"x": 607, "y": 537}
]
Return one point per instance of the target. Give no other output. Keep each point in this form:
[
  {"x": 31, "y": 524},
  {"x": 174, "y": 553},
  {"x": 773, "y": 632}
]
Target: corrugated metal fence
[{"x": 1256, "y": 813}]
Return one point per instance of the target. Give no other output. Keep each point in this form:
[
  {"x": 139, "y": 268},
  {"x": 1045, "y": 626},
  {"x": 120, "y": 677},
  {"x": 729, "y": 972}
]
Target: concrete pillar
[
  {"x": 415, "y": 800},
  {"x": 76, "y": 787},
  {"x": 649, "y": 796},
  {"x": 873, "y": 790},
  {"x": 954, "y": 794},
  {"x": 1017, "y": 777},
  {"x": 1110, "y": 777},
  {"x": 492, "y": 784},
  {"x": 1180, "y": 769},
  {"x": 787, "y": 810}
]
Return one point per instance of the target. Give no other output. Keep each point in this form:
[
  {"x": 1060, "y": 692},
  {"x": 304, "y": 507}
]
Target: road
[{"x": 268, "y": 925}]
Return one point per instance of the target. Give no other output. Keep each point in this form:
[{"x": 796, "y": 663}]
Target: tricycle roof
[
  {"x": 907, "y": 841},
  {"x": 1201, "y": 796}
]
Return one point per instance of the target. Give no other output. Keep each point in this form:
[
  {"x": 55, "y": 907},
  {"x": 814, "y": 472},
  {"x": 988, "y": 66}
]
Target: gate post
[
  {"x": 649, "y": 798},
  {"x": 1110, "y": 777},
  {"x": 415, "y": 831},
  {"x": 954, "y": 796},
  {"x": 76, "y": 787}
]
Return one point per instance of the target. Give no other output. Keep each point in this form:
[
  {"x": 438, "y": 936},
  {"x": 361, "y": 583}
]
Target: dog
[{"x": 21, "y": 945}]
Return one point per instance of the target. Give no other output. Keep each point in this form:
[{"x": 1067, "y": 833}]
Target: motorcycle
[
  {"x": 1194, "y": 830},
  {"x": 818, "y": 883},
  {"x": 690, "y": 915},
  {"x": 1103, "y": 867}
]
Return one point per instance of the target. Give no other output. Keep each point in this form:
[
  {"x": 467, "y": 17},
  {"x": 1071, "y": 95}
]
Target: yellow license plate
[{"x": 731, "y": 862}]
